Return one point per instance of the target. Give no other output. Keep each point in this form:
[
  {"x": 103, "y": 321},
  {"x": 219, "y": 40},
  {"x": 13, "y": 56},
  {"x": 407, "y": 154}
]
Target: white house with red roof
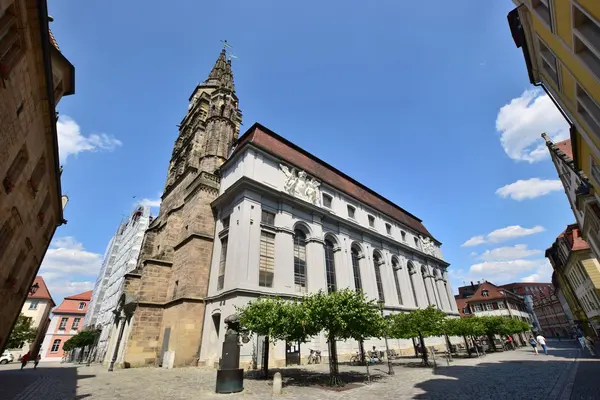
[
  {"x": 66, "y": 321},
  {"x": 37, "y": 307}
]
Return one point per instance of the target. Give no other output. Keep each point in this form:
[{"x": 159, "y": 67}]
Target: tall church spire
[{"x": 210, "y": 126}]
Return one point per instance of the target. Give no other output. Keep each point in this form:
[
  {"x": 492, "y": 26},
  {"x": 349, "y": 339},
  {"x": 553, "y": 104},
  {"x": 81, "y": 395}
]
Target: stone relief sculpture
[
  {"x": 428, "y": 246},
  {"x": 299, "y": 184}
]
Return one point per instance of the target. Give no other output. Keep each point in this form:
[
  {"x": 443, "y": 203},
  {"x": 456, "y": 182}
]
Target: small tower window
[
  {"x": 351, "y": 212},
  {"x": 371, "y": 221},
  {"x": 327, "y": 200},
  {"x": 485, "y": 293},
  {"x": 388, "y": 229},
  {"x": 403, "y": 234}
]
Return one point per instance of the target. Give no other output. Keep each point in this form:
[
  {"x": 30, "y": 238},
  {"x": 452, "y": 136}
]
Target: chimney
[{"x": 472, "y": 286}]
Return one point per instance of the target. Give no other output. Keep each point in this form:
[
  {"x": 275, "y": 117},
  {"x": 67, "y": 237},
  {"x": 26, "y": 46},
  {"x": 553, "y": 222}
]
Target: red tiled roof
[
  {"x": 272, "y": 143},
  {"x": 565, "y": 147},
  {"x": 53, "y": 40},
  {"x": 572, "y": 236},
  {"x": 87, "y": 296},
  {"x": 42, "y": 293}
]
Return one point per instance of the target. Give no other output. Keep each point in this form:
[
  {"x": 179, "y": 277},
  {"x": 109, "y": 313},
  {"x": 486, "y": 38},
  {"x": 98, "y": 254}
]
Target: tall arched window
[
  {"x": 377, "y": 261},
  {"x": 330, "y": 266},
  {"x": 424, "y": 275},
  {"x": 411, "y": 275},
  {"x": 395, "y": 269},
  {"x": 300, "y": 260},
  {"x": 436, "y": 288},
  {"x": 356, "y": 269}
]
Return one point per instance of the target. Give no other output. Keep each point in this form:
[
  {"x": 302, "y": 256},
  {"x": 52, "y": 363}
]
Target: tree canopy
[
  {"x": 81, "y": 339},
  {"x": 22, "y": 333},
  {"x": 421, "y": 322}
]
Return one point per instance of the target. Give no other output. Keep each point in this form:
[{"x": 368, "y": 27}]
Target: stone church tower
[{"x": 165, "y": 294}]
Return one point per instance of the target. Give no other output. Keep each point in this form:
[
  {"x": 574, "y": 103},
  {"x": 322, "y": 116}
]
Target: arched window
[
  {"x": 300, "y": 260},
  {"x": 424, "y": 275},
  {"x": 395, "y": 269},
  {"x": 377, "y": 261},
  {"x": 356, "y": 269},
  {"x": 411, "y": 275},
  {"x": 330, "y": 266}
]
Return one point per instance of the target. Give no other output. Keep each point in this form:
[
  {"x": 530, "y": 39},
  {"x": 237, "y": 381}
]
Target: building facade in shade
[
  {"x": 67, "y": 320},
  {"x": 37, "y": 307},
  {"x": 559, "y": 40},
  {"x": 120, "y": 258},
  {"x": 578, "y": 277},
  {"x": 34, "y": 76},
  {"x": 561, "y": 154},
  {"x": 289, "y": 224},
  {"x": 551, "y": 319}
]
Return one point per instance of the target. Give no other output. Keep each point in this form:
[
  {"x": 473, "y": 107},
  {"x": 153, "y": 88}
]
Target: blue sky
[{"x": 429, "y": 106}]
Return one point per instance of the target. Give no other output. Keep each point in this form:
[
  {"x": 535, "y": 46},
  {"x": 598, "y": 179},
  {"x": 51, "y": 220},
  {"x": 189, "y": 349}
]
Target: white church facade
[{"x": 290, "y": 224}]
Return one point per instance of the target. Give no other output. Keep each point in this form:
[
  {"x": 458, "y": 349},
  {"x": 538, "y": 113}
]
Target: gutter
[{"x": 45, "y": 37}]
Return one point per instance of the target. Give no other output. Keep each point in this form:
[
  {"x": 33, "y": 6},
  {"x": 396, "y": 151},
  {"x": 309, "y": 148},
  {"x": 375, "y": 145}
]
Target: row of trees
[{"x": 346, "y": 314}]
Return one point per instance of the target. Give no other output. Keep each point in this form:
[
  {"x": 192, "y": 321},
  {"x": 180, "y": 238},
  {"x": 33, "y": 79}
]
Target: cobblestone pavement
[{"x": 509, "y": 375}]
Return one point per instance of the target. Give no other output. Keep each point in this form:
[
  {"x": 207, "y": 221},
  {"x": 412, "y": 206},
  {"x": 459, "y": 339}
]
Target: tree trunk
[
  {"x": 265, "y": 362},
  {"x": 467, "y": 344},
  {"x": 424, "y": 349},
  {"x": 334, "y": 372}
]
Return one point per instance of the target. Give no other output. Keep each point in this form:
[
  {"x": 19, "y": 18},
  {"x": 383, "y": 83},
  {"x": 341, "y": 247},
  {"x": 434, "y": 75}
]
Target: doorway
[{"x": 292, "y": 353}]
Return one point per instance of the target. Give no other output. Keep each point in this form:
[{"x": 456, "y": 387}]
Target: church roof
[{"x": 272, "y": 143}]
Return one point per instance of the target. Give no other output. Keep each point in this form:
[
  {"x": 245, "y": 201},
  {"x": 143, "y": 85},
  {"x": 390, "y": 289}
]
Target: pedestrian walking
[
  {"x": 25, "y": 360},
  {"x": 589, "y": 344},
  {"x": 37, "y": 361},
  {"x": 542, "y": 341},
  {"x": 533, "y": 344}
]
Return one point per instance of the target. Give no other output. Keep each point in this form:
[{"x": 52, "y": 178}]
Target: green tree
[
  {"x": 465, "y": 327},
  {"x": 419, "y": 323},
  {"x": 22, "y": 333},
  {"x": 344, "y": 314},
  {"x": 82, "y": 339},
  {"x": 276, "y": 319}
]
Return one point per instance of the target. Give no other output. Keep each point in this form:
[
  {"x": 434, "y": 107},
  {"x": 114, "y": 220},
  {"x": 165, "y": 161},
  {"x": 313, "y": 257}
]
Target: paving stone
[{"x": 508, "y": 375}]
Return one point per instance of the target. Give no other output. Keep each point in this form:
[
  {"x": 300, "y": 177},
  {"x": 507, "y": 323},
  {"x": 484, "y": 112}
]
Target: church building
[{"x": 257, "y": 215}]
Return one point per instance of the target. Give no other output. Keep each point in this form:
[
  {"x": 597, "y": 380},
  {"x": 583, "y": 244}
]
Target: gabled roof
[
  {"x": 42, "y": 293},
  {"x": 276, "y": 145},
  {"x": 70, "y": 304},
  {"x": 85, "y": 296},
  {"x": 565, "y": 147},
  {"x": 572, "y": 236},
  {"x": 494, "y": 293}
]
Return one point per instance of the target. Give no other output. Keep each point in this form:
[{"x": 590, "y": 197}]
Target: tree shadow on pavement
[
  {"x": 538, "y": 377},
  {"x": 44, "y": 382},
  {"x": 309, "y": 377}
]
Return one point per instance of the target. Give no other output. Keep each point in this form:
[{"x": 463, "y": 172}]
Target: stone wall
[{"x": 30, "y": 202}]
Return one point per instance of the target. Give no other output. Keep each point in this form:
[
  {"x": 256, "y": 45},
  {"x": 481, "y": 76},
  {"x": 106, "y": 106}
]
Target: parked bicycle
[
  {"x": 356, "y": 359},
  {"x": 314, "y": 357}
]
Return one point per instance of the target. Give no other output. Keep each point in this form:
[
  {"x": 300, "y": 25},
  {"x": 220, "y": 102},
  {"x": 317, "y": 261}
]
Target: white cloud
[
  {"x": 501, "y": 272},
  {"x": 522, "y": 121},
  {"x": 502, "y": 235},
  {"x": 72, "y": 142},
  {"x": 543, "y": 274},
  {"x": 529, "y": 189},
  {"x": 68, "y": 268},
  {"x": 151, "y": 202},
  {"x": 508, "y": 253},
  {"x": 474, "y": 241}
]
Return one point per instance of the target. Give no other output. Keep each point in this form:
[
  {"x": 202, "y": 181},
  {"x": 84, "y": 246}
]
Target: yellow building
[
  {"x": 578, "y": 276},
  {"x": 560, "y": 40}
]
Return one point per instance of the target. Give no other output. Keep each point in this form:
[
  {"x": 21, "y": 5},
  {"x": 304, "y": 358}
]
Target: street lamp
[
  {"x": 34, "y": 288},
  {"x": 387, "y": 349}
]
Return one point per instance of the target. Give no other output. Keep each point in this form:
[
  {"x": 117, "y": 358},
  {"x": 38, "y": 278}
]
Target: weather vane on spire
[{"x": 226, "y": 46}]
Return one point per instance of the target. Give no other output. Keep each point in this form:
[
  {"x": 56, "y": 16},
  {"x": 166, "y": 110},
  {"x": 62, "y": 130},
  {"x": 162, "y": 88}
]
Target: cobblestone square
[{"x": 508, "y": 375}]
